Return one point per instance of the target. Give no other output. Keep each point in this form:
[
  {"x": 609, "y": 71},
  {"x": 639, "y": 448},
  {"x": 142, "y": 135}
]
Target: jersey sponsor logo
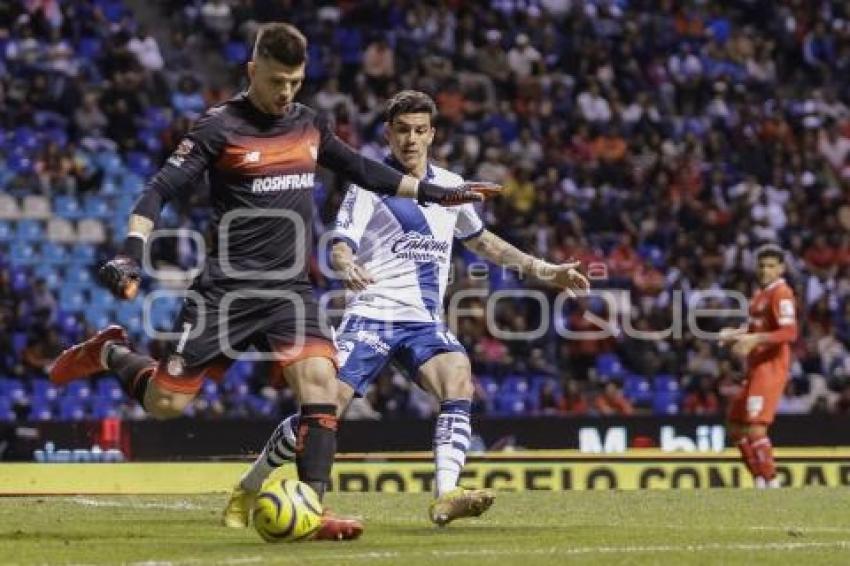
[
  {"x": 184, "y": 148},
  {"x": 420, "y": 247},
  {"x": 252, "y": 157},
  {"x": 282, "y": 183},
  {"x": 373, "y": 341}
]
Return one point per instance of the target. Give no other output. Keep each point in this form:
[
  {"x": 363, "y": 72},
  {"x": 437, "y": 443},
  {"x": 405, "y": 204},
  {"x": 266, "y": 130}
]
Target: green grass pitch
[{"x": 723, "y": 526}]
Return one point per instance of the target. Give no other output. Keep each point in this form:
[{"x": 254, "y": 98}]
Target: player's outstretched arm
[
  {"x": 493, "y": 248},
  {"x": 383, "y": 179},
  {"x": 193, "y": 155}
]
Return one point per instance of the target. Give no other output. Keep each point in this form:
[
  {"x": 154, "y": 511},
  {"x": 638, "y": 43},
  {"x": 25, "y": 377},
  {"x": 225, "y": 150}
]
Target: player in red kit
[{"x": 765, "y": 342}]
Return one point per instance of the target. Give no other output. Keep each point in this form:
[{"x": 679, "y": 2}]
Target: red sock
[
  {"x": 748, "y": 455},
  {"x": 763, "y": 450}
]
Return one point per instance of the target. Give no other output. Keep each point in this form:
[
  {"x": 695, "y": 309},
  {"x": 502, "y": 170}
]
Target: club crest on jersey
[
  {"x": 176, "y": 365},
  {"x": 252, "y": 157},
  {"x": 184, "y": 148}
]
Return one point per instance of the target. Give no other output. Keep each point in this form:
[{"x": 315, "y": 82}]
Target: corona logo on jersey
[
  {"x": 420, "y": 247},
  {"x": 282, "y": 183}
]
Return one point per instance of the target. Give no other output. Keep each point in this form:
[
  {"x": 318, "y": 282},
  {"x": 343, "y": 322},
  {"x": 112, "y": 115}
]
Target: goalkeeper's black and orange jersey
[{"x": 262, "y": 174}]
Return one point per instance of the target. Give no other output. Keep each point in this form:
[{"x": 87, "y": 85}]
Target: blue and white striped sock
[
  {"x": 279, "y": 449},
  {"x": 451, "y": 441}
]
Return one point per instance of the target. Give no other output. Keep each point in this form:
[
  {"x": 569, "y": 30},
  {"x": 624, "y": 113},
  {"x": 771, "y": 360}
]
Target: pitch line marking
[{"x": 551, "y": 551}]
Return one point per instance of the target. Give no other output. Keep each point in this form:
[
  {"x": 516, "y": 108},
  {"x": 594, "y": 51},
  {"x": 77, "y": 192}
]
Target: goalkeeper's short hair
[{"x": 281, "y": 42}]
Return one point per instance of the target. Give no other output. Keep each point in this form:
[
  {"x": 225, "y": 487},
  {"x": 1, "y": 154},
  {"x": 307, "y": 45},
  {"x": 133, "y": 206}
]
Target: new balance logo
[{"x": 252, "y": 157}]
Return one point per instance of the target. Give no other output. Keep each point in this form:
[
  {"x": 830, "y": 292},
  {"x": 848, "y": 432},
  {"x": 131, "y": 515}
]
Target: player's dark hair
[
  {"x": 771, "y": 250},
  {"x": 281, "y": 42},
  {"x": 410, "y": 102}
]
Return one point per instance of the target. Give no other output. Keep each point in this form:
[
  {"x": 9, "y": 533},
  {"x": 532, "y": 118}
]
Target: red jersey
[{"x": 773, "y": 311}]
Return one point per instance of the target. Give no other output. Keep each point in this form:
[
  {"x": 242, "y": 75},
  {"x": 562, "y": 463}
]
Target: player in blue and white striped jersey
[{"x": 395, "y": 256}]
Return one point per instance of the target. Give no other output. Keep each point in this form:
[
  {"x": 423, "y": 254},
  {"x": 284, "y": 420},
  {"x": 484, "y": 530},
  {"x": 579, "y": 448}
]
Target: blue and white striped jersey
[{"x": 406, "y": 247}]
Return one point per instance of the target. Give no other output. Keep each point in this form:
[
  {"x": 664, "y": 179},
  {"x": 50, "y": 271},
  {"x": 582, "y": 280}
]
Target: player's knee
[
  {"x": 167, "y": 406},
  {"x": 462, "y": 389},
  {"x": 754, "y": 432}
]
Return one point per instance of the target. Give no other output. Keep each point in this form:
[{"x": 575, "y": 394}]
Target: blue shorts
[{"x": 365, "y": 346}]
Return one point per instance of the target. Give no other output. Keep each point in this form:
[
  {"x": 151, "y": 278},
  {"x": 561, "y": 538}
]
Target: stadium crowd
[{"x": 659, "y": 142}]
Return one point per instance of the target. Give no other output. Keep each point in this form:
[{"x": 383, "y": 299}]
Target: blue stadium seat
[
  {"x": 83, "y": 253},
  {"x": 209, "y": 388},
  {"x": 113, "y": 10},
  {"x": 665, "y": 403},
  {"x": 490, "y": 386},
  {"x": 40, "y": 411},
  {"x": 637, "y": 388},
  {"x": 98, "y": 317},
  {"x": 57, "y": 135},
  {"x": 95, "y": 206},
  {"x": 157, "y": 118},
  {"x": 72, "y": 299},
  {"x": 53, "y": 253},
  {"x": 43, "y": 391},
  {"x": 50, "y": 275},
  {"x": 71, "y": 409},
  {"x": 88, "y": 48},
  {"x": 69, "y": 325},
  {"x": 67, "y": 207},
  {"x": 515, "y": 384},
  {"x": 131, "y": 186},
  {"x": 80, "y": 390},
  {"x": 236, "y": 52},
  {"x": 261, "y": 406},
  {"x": 109, "y": 388},
  {"x": 140, "y": 164},
  {"x": 7, "y": 414},
  {"x": 79, "y": 277},
  {"x": 609, "y": 364},
  {"x": 19, "y": 342},
  {"x": 29, "y": 230},
  {"x": 513, "y": 404},
  {"x": 130, "y": 315},
  {"x": 109, "y": 187},
  {"x": 665, "y": 383},
  {"x": 110, "y": 163},
  {"x": 6, "y": 233},
  {"x": 25, "y": 254},
  {"x": 103, "y": 300},
  {"x": 14, "y": 391},
  {"x": 20, "y": 275},
  {"x": 104, "y": 408},
  {"x": 25, "y": 138}
]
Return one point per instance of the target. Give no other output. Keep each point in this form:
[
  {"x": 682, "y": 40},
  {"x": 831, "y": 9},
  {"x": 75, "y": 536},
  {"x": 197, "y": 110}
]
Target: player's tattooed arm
[
  {"x": 493, "y": 248},
  {"x": 355, "y": 276}
]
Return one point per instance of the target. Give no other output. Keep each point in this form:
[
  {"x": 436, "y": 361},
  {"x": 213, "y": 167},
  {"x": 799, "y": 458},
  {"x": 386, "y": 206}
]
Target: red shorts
[
  {"x": 190, "y": 380},
  {"x": 759, "y": 398}
]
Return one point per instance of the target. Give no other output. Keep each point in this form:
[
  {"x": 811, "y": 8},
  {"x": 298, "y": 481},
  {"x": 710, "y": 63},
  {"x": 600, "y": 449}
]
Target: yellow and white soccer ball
[{"x": 287, "y": 511}]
